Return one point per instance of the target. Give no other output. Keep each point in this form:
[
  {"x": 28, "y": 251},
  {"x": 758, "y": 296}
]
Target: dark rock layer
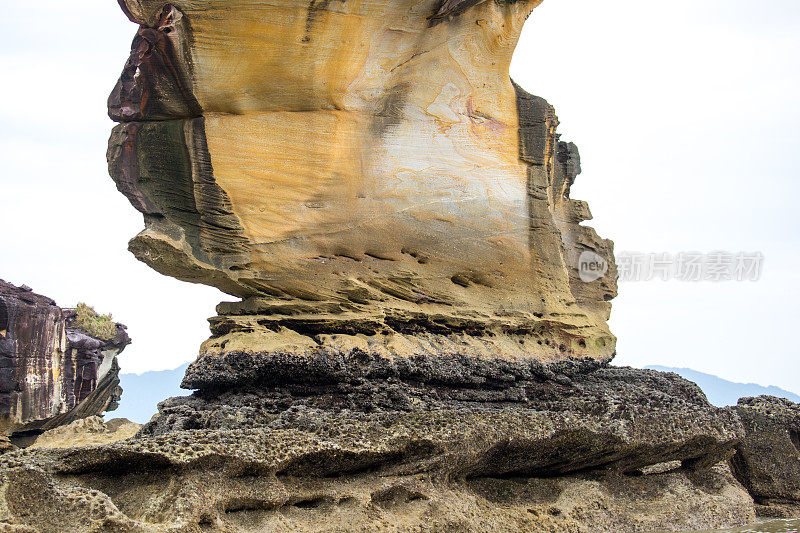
[{"x": 618, "y": 418}]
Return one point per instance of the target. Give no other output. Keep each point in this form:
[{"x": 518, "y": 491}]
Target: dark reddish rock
[
  {"x": 51, "y": 373},
  {"x": 154, "y": 84}
]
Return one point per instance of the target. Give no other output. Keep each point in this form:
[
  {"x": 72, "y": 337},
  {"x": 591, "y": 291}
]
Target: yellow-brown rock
[
  {"x": 89, "y": 431},
  {"x": 365, "y": 175}
]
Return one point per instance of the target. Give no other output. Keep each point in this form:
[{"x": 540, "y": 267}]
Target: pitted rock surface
[
  {"x": 767, "y": 460},
  {"x": 610, "y": 449}
]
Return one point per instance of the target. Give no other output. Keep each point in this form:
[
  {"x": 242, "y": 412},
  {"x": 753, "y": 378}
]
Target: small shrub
[{"x": 92, "y": 323}]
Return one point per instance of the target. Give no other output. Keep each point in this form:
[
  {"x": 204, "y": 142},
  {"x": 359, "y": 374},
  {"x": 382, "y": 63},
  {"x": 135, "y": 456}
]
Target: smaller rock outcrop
[
  {"x": 767, "y": 460},
  {"x": 89, "y": 431},
  {"x": 52, "y": 370}
]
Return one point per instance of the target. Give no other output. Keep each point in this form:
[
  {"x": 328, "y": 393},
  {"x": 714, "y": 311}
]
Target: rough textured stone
[
  {"x": 767, "y": 461},
  {"x": 50, "y": 372},
  {"x": 89, "y": 431},
  {"x": 605, "y": 417},
  {"x": 366, "y": 176},
  {"x": 572, "y": 457}
]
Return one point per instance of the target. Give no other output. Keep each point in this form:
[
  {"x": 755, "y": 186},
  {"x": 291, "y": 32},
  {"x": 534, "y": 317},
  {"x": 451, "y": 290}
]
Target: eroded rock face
[
  {"x": 589, "y": 449},
  {"x": 365, "y": 175},
  {"x": 51, "y": 373},
  {"x": 767, "y": 461},
  {"x": 550, "y": 420}
]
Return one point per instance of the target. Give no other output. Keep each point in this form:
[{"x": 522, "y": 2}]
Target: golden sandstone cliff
[{"x": 364, "y": 174}]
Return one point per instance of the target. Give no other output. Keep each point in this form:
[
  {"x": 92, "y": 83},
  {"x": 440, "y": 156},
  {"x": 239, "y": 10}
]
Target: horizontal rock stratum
[
  {"x": 365, "y": 175},
  {"x": 578, "y": 448}
]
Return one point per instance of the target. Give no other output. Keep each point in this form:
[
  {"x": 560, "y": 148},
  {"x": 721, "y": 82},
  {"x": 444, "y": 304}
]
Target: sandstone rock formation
[
  {"x": 366, "y": 176},
  {"x": 767, "y": 461},
  {"x": 51, "y": 373},
  {"x": 415, "y": 347}
]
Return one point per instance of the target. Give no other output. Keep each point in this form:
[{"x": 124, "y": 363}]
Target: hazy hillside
[
  {"x": 722, "y": 392},
  {"x": 142, "y": 392}
]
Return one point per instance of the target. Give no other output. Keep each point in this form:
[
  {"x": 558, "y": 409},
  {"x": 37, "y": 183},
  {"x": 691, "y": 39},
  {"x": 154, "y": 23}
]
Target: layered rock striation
[
  {"x": 51, "y": 372},
  {"x": 365, "y": 176}
]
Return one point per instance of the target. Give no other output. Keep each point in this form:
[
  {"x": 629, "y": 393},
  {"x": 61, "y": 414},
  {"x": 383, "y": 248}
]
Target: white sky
[{"x": 687, "y": 115}]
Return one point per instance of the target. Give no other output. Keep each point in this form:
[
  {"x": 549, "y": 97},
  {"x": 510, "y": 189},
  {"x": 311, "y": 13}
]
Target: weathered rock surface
[
  {"x": 767, "y": 461},
  {"x": 50, "y": 372},
  {"x": 365, "y": 175},
  {"x": 571, "y": 457},
  {"x": 619, "y": 412},
  {"x": 89, "y": 431}
]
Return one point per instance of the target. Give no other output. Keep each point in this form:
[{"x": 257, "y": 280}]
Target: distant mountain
[
  {"x": 721, "y": 392},
  {"x": 142, "y": 392}
]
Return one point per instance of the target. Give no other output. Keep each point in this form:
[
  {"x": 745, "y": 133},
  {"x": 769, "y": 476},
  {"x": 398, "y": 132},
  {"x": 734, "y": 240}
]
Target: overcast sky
[{"x": 686, "y": 114}]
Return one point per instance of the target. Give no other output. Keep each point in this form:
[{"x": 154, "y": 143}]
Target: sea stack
[{"x": 366, "y": 177}]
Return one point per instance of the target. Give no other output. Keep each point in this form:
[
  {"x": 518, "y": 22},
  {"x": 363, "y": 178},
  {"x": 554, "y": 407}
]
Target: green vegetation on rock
[{"x": 92, "y": 323}]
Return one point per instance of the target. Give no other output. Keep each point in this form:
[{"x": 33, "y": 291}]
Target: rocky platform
[{"x": 578, "y": 447}]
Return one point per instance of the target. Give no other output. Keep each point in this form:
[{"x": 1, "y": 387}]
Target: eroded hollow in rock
[{"x": 795, "y": 438}]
